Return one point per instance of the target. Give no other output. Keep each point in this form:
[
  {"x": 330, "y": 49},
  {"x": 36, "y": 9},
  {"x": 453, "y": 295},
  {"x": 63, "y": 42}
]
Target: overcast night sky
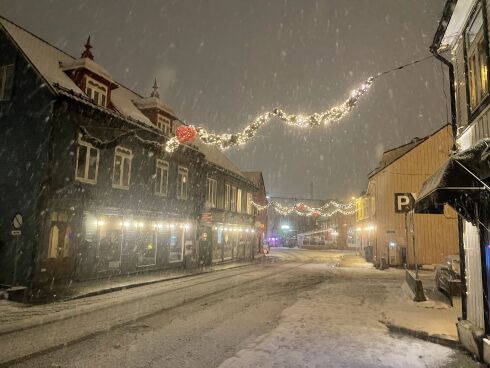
[{"x": 221, "y": 62}]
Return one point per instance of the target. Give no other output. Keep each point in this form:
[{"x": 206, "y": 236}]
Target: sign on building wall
[{"x": 404, "y": 202}]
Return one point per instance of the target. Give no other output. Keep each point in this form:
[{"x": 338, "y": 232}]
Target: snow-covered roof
[
  {"x": 458, "y": 19},
  {"x": 88, "y": 64},
  {"x": 51, "y": 62},
  {"x": 123, "y": 100},
  {"x": 151, "y": 102},
  {"x": 394, "y": 154},
  {"x": 218, "y": 158},
  {"x": 255, "y": 177},
  {"x": 43, "y": 56}
]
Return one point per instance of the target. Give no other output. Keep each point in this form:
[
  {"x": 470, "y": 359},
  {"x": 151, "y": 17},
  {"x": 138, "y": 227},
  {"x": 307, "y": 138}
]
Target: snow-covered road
[{"x": 300, "y": 311}]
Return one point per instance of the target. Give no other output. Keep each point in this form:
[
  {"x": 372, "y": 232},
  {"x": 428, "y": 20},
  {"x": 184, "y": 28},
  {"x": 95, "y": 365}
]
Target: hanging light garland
[
  {"x": 327, "y": 210},
  {"x": 187, "y": 133}
]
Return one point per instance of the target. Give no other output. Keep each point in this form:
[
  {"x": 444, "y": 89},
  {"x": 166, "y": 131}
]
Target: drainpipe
[
  {"x": 452, "y": 92},
  {"x": 436, "y": 43}
]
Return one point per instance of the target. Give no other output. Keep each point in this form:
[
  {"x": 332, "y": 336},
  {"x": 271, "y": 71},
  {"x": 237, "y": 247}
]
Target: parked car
[{"x": 448, "y": 276}]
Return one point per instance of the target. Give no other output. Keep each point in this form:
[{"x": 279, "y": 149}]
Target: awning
[{"x": 463, "y": 175}]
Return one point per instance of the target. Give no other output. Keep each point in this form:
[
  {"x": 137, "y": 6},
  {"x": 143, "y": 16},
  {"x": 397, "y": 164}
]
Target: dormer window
[
  {"x": 96, "y": 92},
  {"x": 163, "y": 124},
  {"x": 90, "y": 77}
]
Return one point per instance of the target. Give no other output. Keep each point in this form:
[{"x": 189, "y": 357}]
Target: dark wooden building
[{"x": 83, "y": 166}]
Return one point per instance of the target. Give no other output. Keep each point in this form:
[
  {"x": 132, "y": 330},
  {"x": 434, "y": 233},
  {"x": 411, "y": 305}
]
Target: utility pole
[{"x": 414, "y": 246}]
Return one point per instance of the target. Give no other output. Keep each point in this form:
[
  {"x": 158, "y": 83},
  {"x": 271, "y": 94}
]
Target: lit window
[
  {"x": 163, "y": 124},
  {"x": 96, "y": 92},
  {"x": 182, "y": 182},
  {"x": 6, "y": 81},
  {"x": 477, "y": 60},
  {"x": 122, "y": 168},
  {"x": 239, "y": 201},
  {"x": 211, "y": 192},
  {"x": 87, "y": 164},
  {"x": 161, "y": 181}
]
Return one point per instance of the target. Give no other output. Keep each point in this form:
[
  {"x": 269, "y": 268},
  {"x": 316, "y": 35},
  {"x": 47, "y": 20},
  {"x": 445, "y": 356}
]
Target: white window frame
[
  {"x": 227, "y": 197},
  {"x": 163, "y": 166},
  {"x": 233, "y": 198},
  {"x": 212, "y": 187},
  {"x": 476, "y": 60},
  {"x": 163, "y": 124},
  {"x": 91, "y": 87},
  {"x": 239, "y": 200},
  {"x": 125, "y": 154},
  {"x": 249, "y": 203},
  {"x": 6, "y": 70},
  {"x": 85, "y": 178},
  {"x": 182, "y": 172}
]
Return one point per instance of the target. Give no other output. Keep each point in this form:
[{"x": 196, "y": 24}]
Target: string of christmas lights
[
  {"x": 224, "y": 141},
  {"x": 187, "y": 133},
  {"x": 302, "y": 209}
]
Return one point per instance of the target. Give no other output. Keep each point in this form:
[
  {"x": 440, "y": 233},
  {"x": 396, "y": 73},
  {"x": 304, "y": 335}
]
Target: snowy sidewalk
[
  {"x": 12, "y": 313},
  {"x": 434, "y": 317},
  {"x": 106, "y": 285},
  {"x": 341, "y": 323}
]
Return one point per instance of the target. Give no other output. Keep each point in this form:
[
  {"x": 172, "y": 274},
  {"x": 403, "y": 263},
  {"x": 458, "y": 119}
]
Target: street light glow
[{"x": 285, "y": 227}]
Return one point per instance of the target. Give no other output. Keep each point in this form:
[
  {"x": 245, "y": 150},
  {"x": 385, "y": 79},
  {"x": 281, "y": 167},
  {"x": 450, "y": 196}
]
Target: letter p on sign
[{"x": 403, "y": 202}]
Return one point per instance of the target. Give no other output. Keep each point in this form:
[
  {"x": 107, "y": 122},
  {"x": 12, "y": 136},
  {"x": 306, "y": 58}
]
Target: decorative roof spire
[
  {"x": 155, "y": 92},
  {"x": 87, "y": 53}
]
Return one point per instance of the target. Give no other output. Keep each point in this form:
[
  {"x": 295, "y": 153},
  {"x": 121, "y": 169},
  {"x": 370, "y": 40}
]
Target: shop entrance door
[{"x": 205, "y": 241}]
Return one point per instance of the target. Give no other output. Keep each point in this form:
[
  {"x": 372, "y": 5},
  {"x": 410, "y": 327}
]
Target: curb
[
  {"x": 56, "y": 317},
  {"x": 145, "y": 283},
  {"x": 423, "y": 335}
]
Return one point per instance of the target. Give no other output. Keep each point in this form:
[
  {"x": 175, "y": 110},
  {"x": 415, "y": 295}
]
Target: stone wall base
[{"x": 471, "y": 337}]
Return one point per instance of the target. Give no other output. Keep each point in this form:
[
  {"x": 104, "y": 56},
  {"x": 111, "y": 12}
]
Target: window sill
[
  {"x": 478, "y": 109},
  {"x": 147, "y": 265},
  {"x": 120, "y": 187},
  {"x": 86, "y": 181}
]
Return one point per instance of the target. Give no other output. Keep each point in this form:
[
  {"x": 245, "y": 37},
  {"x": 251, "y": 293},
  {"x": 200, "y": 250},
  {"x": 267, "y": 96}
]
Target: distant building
[
  {"x": 340, "y": 230},
  {"x": 283, "y": 229}
]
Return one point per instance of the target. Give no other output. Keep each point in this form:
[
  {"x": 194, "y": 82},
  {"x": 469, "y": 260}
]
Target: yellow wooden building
[{"x": 385, "y": 233}]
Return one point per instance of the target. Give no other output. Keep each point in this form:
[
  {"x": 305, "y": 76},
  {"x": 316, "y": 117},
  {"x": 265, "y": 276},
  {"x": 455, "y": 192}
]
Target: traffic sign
[
  {"x": 404, "y": 202},
  {"x": 17, "y": 221}
]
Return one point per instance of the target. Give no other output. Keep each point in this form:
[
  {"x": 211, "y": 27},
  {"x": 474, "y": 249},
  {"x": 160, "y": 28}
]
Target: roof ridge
[
  {"x": 36, "y": 36},
  {"x": 60, "y": 50},
  {"x": 419, "y": 139},
  {"x": 377, "y": 169}
]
